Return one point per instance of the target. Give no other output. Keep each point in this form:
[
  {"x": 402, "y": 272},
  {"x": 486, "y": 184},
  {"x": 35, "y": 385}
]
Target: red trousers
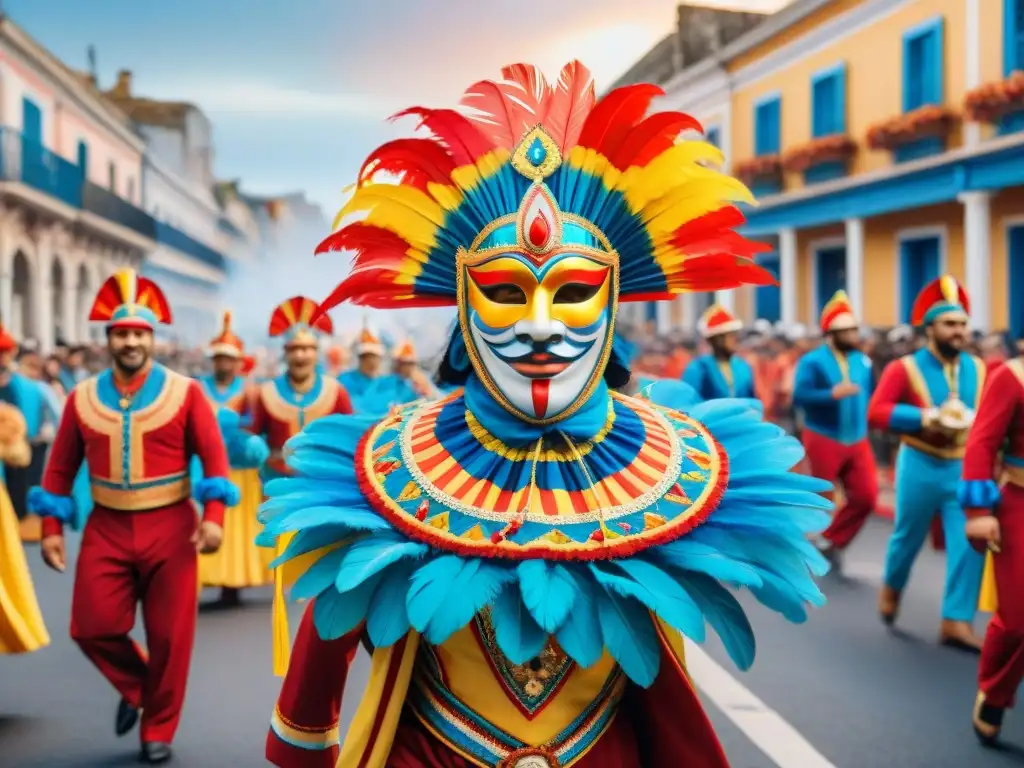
[
  {"x": 128, "y": 558},
  {"x": 853, "y": 467},
  {"x": 1002, "y": 656}
]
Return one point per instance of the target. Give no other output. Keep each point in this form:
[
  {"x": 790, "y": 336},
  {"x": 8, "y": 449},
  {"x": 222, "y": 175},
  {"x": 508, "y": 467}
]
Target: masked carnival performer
[
  {"x": 239, "y": 563},
  {"x": 285, "y": 405},
  {"x": 522, "y": 555},
  {"x": 721, "y": 372},
  {"x": 928, "y": 397},
  {"x": 995, "y": 520},
  {"x": 137, "y": 425},
  {"x": 361, "y": 379},
  {"x": 832, "y": 386},
  {"x": 21, "y": 623}
]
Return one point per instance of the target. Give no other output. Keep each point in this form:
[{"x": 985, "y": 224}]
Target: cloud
[{"x": 252, "y": 98}]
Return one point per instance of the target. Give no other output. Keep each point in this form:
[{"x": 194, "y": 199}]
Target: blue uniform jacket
[{"x": 844, "y": 420}]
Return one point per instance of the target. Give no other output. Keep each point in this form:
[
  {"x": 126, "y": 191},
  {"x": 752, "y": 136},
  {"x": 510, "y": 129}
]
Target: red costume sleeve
[
  {"x": 206, "y": 441},
  {"x": 258, "y": 425},
  {"x": 343, "y": 404},
  {"x": 888, "y": 409},
  {"x": 64, "y": 461},
  {"x": 992, "y": 423},
  {"x": 304, "y": 727}
]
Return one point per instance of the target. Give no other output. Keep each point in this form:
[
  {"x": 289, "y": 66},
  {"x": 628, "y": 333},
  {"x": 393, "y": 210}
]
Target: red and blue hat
[
  {"x": 838, "y": 314},
  {"x": 128, "y": 300},
  {"x": 300, "y": 321},
  {"x": 942, "y": 296}
]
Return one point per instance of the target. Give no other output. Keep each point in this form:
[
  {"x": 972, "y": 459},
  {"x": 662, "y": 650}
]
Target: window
[
  {"x": 828, "y": 102},
  {"x": 713, "y": 136},
  {"x": 129, "y": 193},
  {"x": 112, "y": 177},
  {"x": 923, "y": 65},
  {"x": 31, "y": 123},
  {"x": 920, "y": 263},
  {"x": 767, "y": 126},
  {"x": 83, "y": 158},
  {"x": 1013, "y": 48}
]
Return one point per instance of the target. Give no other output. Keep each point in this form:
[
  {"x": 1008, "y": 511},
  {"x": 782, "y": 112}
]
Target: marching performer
[
  {"x": 995, "y": 519},
  {"x": 521, "y": 556},
  {"x": 403, "y": 385},
  {"x": 137, "y": 426},
  {"x": 832, "y": 386},
  {"x": 721, "y": 372},
  {"x": 286, "y": 405},
  {"x": 21, "y": 623},
  {"x": 369, "y": 355},
  {"x": 928, "y": 397},
  {"x": 239, "y": 563}
]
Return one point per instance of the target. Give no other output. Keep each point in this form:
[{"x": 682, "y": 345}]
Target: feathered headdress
[
  {"x": 405, "y": 352},
  {"x": 368, "y": 344},
  {"x": 128, "y": 300},
  {"x": 717, "y": 320},
  {"x": 838, "y": 314},
  {"x": 7, "y": 342},
  {"x": 227, "y": 343},
  {"x": 534, "y": 166},
  {"x": 300, "y": 320},
  {"x": 943, "y": 295}
]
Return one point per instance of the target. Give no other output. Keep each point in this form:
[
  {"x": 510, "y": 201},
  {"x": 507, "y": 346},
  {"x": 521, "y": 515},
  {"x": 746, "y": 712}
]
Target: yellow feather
[
  {"x": 447, "y": 196},
  {"x": 948, "y": 286},
  {"x": 674, "y": 167},
  {"x": 407, "y": 212},
  {"x": 467, "y": 177},
  {"x": 687, "y": 202}
]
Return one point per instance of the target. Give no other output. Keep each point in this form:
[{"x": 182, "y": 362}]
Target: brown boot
[
  {"x": 31, "y": 529},
  {"x": 988, "y": 721},
  {"x": 888, "y": 605},
  {"x": 959, "y": 635}
]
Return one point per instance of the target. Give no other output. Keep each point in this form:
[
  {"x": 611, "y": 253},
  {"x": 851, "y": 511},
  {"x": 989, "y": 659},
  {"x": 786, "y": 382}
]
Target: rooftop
[{"x": 167, "y": 114}]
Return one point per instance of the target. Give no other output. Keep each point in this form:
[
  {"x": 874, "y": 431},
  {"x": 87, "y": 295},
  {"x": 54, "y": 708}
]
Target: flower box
[
  {"x": 761, "y": 168},
  {"x": 827, "y": 149},
  {"x": 991, "y": 102},
  {"x": 929, "y": 122}
]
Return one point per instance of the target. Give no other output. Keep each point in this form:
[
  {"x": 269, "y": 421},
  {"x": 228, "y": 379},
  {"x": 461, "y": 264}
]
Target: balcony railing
[
  {"x": 30, "y": 163},
  {"x": 179, "y": 241},
  {"x": 109, "y": 206}
]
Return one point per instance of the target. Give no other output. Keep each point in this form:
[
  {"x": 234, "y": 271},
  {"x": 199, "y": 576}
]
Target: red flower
[
  {"x": 763, "y": 166},
  {"x": 822, "y": 150},
  {"x": 930, "y": 120},
  {"x": 990, "y": 102}
]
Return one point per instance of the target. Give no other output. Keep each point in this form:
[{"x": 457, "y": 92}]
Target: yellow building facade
[{"x": 884, "y": 140}]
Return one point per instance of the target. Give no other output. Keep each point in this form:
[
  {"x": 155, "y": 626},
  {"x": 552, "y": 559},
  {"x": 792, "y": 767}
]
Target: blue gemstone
[{"x": 536, "y": 153}]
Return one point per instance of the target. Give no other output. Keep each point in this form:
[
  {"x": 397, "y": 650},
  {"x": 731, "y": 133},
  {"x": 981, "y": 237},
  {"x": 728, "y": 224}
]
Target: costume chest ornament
[{"x": 648, "y": 477}]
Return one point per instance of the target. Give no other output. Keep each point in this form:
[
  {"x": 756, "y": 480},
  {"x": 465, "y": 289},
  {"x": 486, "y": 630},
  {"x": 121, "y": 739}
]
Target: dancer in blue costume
[
  {"x": 929, "y": 399},
  {"x": 524, "y": 556},
  {"x": 359, "y": 381},
  {"x": 721, "y": 372}
]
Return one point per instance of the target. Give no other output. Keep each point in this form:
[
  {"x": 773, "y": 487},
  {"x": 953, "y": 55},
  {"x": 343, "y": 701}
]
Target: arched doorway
[
  {"x": 61, "y": 323},
  {"x": 22, "y": 325}
]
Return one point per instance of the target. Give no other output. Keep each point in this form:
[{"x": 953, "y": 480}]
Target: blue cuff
[
  {"x": 905, "y": 418},
  {"x": 977, "y": 494},
  {"x": 46, "y": 504},
  {"x": 247, "y": 451},
  {"x": 217, "y": 489}
]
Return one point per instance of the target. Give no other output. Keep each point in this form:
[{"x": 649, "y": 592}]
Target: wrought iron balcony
[
  {"x": 32, "y": 164},
  {"x": 109, "y": 206},
  {"x": 179, "y": 241}
]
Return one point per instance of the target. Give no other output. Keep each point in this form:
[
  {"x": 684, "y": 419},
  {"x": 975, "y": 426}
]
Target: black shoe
[
  {"x": 154, "y": 752},
  {"x": 987, "y": 721},
  {"x": 230, "y": 598},
  {"x": 127, "y": 717}
]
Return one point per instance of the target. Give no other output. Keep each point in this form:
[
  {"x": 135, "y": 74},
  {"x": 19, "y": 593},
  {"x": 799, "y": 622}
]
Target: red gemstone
[
  {"x": 496, "y": 538},
  {"x": 539, "y": 231},
  {"x": 597, "y": 535},
  {"x": 421, "y": 511}
]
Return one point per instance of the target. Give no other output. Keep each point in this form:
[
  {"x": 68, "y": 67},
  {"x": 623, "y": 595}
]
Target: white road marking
[{"x": 776, "y": 738}]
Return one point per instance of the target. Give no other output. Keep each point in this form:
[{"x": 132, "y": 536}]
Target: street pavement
[{"x": 839, "y": 691}]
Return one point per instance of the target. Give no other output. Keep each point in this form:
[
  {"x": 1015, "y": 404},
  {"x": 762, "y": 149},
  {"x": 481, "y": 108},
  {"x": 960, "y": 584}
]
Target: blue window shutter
[
  {"x": 839, "y": 102},
  {"x": 767, "y": 116},
  {"x": 712, "y": 137},
  {"x": 936, "y": 46},
  {"x": 1013, "y": 40}
]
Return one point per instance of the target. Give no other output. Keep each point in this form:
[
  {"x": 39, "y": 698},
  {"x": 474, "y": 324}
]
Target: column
[
  {"x": 69, "y": 302},
  {"x": 855, "y": 266},
  {"x": 6, "y": 269},
  {"x": 664, "y": 318},
  {"x": 726, "y": 299},
  {"x": 977, "y": 256},
  {"x": 42, "y": 302},
  {"x": 787, "y": 275},
  {"x": 972, "y": 61}
]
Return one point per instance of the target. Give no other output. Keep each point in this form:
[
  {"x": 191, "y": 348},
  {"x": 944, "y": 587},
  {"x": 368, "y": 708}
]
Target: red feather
[
  {"x": 726, "y": 217},
  {"x": 501, "y": 114},
  {"x": 360, "y": 236},
  {"x": 614, "y": 116},
  {"x": 570, "y": 103},
  {"x": 463, "y": 140},
  {"x": 536, "y": 91},
  {"x": 650, "y": 138},
  {"x": 416, "y": 158}
]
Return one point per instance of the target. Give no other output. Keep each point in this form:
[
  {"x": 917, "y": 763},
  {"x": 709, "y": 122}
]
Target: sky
[{"x": 299, "y": 90}]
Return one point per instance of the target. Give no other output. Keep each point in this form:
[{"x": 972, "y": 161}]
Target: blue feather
[
  {"x": 776, "y": 595},
  {"x": 772, "y": 482},
  {"x": 580, "y": 633},
  {"x": 357, "y": 519},
  {"x": 323, "y": 494},
  {"x": 310, "y": 540},
  {"x": 786, "y": 499},
  {"x": 335, "y": 614},
  {"x": 447, "y": 593},
  {"x": 315, "y": 467},
  {"x": 651, "y": 586},
  {"x": 374, "y": 554},
  {"x": 518, "y": 635},
  {"x": 387, "y": 621},
  {"x": 775, "y": 455},
  {"x": 548, "y": 590},
  {"x": 692, "y": 555},
  {"x": 630, "y": 637},
  {"x": 726, "y": 616},
  {"x": 319, "y": 576}
]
